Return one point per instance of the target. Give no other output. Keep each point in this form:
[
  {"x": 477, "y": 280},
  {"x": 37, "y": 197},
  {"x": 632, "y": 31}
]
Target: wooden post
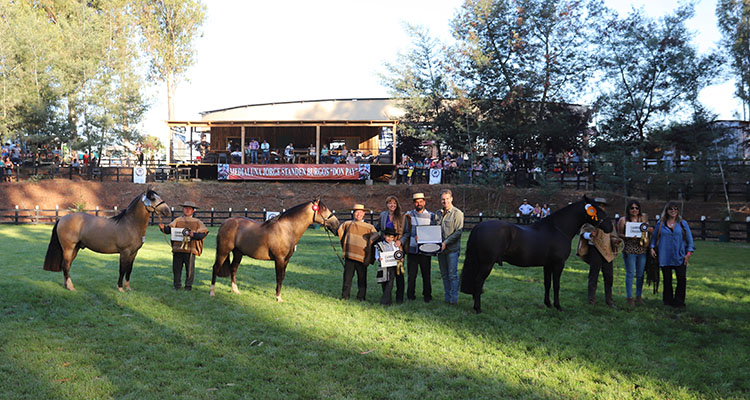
[
  {"x": 16, "y": 214},
  {"x": 317, "y": 144},
  {"x": 242, "y": 144},
  {"x": 57, "y": 212},
  {"x": 212, "y": 216},
  {"x": 703, "y": 227}
]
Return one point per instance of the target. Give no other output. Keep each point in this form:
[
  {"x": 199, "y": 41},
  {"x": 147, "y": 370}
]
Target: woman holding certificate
[{"x": 633, "y": 228}]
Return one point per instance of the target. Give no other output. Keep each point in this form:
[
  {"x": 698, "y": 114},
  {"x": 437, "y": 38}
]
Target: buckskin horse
[
  {"x": 124, "y": 233},
  {"x": 545, "y": 243},
  {"x": 274, "y": 239}
]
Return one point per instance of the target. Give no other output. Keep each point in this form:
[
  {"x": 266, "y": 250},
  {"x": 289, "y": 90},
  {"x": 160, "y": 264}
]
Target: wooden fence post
[
  {"x": 57, "y": 213},
  {"x": 230, "y": 212},
  {"x": 212, "y": 216},
  {"x": 747, "y": 229},
  {"x": 703, "y": 227},
  {"x": 16, "y": 214},
  {"x": 36, "y": 214}
]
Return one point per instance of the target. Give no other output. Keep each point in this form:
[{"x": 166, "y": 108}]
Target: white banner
[
  {"x": 139, "y": 175},
  {"x": 435, "y": 175}
]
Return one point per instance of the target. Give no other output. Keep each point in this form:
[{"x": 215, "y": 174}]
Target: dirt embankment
[{"x": 339, "y": 196}]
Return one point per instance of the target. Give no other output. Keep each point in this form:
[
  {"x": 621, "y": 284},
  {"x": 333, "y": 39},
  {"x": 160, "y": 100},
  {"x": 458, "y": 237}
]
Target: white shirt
[{"x": 526, "y": 209}]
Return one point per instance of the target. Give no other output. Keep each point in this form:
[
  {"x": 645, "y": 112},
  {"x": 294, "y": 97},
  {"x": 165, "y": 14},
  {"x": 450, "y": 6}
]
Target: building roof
[{"x": 376, "y": 109}]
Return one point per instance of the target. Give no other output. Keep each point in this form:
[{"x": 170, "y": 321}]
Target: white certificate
[
  {"x": 388, "y": 259},
  {"x": 176, "y": 234},
  {"x": 633, "y": 229},
  {"x": 429, "y": 234}
]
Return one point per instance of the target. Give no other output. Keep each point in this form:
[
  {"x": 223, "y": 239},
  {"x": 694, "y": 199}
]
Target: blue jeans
[
  {"x": 253, "y": 156},
  {"x": 265, "y": 157},
  {"x": 634, "y": 265},
  {"x": 449, "y": 272}
]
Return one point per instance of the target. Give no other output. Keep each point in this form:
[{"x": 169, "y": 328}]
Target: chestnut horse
[
  {"x": 274, "y": 239},
  {"x": 124, "y": 233},
  {"x": 545, "y": 243}
]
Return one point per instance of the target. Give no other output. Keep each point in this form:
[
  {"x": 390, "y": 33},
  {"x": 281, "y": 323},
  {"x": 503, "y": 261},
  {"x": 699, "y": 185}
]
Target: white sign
[
  {"x": 389, "y": 260},
  {"x": 435, "y": 175},
  {"x": 633, "y": 229},
  {"x": 139, "y": 175},
  {"x": 271, "y": 214},
  {"x": 429, "y": 234}
]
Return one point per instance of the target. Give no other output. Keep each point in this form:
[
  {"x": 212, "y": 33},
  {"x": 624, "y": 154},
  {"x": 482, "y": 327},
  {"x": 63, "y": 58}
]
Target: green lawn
[{"x": 157, "y": 343}]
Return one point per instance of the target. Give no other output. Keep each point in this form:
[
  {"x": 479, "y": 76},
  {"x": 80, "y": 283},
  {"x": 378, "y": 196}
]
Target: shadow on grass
[{"x": 204, "y": 345}]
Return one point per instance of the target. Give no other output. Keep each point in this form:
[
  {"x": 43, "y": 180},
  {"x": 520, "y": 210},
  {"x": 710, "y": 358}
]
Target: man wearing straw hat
[
  {"x": 356, "y": 237},
  {"x": 184, "y": 251},
  {"x": 415, "y": 259}
]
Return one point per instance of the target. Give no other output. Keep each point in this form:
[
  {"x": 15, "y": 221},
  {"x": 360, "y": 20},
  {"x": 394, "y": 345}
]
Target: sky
[{"x": 254, "y": 52}]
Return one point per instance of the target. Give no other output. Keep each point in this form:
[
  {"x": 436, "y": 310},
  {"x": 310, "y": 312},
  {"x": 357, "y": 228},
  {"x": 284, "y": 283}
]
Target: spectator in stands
[
  {"x": 265, "y": 148},
  {"x": 525, "y": 208},
  {"x": 289, "y": 153},
  {"x": 7, "y": 169},
  {"x": 324, "y": 155},
  {"x": 254, "y": 146},
  {"x": 311, "y": 151},
  {"x": 351, "y": 158}
]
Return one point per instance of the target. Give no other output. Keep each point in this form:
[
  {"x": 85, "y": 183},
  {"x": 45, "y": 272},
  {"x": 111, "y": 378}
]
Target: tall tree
[
  {"x": 734, "y": 23},
  {"x": 652, "y": 70},
  {"x": 520, "y": 56},
  {"x": 169, "y": 29}
]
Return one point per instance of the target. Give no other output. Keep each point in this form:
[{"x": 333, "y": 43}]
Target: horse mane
[
  {"x": 290, "y": 212},
  {"x": 149, "y": 194}
]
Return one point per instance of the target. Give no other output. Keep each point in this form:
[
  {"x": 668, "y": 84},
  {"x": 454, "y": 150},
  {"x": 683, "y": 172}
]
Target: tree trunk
[{"x": 170, "y": 112}]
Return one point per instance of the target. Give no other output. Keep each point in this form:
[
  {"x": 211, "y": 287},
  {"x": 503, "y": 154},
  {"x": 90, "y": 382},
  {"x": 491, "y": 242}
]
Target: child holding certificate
[{"x": 391, "y": 263}]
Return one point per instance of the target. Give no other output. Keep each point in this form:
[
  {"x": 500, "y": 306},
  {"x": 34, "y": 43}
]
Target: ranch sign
[{"x": 293, "y": 171}]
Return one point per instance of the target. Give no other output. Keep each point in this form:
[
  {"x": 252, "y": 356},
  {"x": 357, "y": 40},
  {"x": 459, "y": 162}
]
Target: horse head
[
  {"x": 596, "y": 215},
  {"x": 154, "y": 203},
  {"x": 324, "y": 216}
]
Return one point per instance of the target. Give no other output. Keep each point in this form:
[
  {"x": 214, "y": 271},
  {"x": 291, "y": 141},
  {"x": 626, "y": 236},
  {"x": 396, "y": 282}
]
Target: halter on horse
[
  {"x": 545, "y": 243},
  {"x": 274, "y": 239},
  {"x": 124, "y": 233}
]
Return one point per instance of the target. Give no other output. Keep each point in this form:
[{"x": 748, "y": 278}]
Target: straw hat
[
  {"x": 417, "y": 196},
  {"x": 360, "y": 207},
  {"x": 601, "y": 200},
  {"x": 189, "y": 204}
]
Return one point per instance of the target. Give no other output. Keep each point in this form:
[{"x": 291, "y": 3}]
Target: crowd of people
[{"x": 415, "y": 170}]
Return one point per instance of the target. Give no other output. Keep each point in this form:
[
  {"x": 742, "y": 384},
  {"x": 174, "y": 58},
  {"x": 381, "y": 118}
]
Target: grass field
[{"x": 156, "y": 343}]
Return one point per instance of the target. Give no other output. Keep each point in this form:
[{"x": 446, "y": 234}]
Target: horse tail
[
  {"x": 470, "y": 271},
  {"x": 54, "y": 258}
]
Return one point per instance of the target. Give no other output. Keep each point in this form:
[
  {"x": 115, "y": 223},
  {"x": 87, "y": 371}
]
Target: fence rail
[{"x": 704, "y": 229}]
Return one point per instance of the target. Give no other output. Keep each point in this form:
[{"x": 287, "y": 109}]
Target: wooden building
[{"x": 365, "y": 125}]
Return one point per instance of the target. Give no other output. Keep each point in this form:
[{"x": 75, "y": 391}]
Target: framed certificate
[
  {"x": 635, "y": 229},
  {"x": 429, "y": 239}
]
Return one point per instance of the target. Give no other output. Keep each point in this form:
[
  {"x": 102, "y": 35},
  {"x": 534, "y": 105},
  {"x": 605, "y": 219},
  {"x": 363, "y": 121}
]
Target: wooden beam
[
  {"x": 317, "y": 144},
  {"x": 394, "y": 144},
  {"x": 242, "y": 143}
]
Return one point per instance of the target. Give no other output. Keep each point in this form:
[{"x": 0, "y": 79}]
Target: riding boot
[
  {"x": 639, "y": 300},
  {"x": 608, "y": 299},
  {"x": 631, "y": 302}
]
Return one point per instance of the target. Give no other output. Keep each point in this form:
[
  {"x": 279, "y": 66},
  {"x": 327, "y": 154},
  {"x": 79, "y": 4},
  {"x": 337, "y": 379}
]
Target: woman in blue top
[{"x": 674, "y": 245}]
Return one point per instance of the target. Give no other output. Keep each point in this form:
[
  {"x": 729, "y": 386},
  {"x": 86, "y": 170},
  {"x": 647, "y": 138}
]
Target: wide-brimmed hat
[
  {"x": 360, "y": 207},
  {"x": 417, "y": 196},
  {"x": 189, "y": 204},
  {"x": 390, "y": 231},
  {"x": 601, "y": 200}
]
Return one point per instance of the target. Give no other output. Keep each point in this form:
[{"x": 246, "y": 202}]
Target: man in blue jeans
[{"x": 451, "y": 221}]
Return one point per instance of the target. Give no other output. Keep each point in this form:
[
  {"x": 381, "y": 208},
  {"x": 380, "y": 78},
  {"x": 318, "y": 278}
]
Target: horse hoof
[
  {"x": 120, "y": 290},
  {"x": 211, "y": 294},
  {"x": 558, "y": 307},
  {"x": 279, "y": 300},
  {"x": 127, "y": 286}
]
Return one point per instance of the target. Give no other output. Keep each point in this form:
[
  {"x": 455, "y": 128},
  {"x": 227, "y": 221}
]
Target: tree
[
  {"x": 651, "y": 71},
  {"x": 519, "y": 58},
  {"x": 734, "y": 24},
  {"x": 169, "y": 29},
  {"x": 419, "y": 80}
]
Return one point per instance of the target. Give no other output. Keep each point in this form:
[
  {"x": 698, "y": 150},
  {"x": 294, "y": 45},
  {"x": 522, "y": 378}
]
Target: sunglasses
[
  {"x": 673, "y": 209},
  {"x": 635, "y": 208}
]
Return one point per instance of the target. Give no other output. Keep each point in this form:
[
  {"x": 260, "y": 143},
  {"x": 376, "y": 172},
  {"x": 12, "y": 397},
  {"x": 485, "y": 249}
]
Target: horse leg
[
  {"x": 280, "y": 272},
  {"x": 484, "y": 272},
  {"x": 126, "y": 284},
  {"x": 547, "y": 284},
  {"x": 236, "y": 258},
  {"x": 220, "y": 257},
  {"x": 124, "y": 260},
  {"x": 68, "y": 257},
  {"x": 556, "y": 274}
]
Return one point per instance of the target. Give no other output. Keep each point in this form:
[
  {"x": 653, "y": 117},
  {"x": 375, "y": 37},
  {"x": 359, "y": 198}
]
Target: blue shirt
[{"x": 671, "y": 247}]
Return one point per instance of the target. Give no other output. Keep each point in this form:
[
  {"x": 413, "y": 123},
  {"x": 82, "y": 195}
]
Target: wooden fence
[{"x": 703, "y": 229}]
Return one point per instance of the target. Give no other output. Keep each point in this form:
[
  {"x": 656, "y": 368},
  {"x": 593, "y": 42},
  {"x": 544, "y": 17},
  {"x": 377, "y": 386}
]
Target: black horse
[{"x": 545, "y": 243}]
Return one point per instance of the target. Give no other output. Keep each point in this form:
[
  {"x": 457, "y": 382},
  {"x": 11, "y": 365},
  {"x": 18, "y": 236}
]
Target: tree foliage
[
  {"x": 734, "y": 24},
  {"x": 652, "y": 72}
]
